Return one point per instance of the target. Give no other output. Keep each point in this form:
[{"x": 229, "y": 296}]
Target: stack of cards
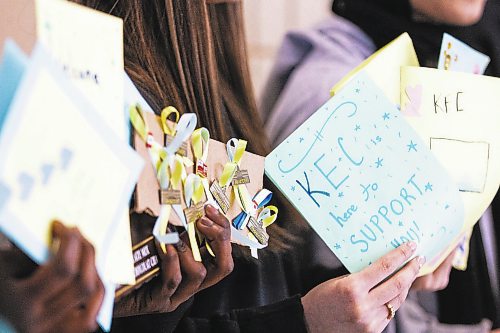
[
  {"x": 65, "y": 141},
  {"x": 368, "y": 177}
]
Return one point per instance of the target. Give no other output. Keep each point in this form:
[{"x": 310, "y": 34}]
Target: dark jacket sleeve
[{"x": 284, "y": 316}]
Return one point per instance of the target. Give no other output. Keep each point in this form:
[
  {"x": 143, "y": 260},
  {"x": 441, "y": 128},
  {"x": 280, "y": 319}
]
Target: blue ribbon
[{"x": 261, "y": 199}]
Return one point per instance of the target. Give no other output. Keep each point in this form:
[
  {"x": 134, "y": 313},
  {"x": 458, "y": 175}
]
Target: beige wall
[
  {"x": 17, "y": 20},
  {"x": 266, "y": 23}
]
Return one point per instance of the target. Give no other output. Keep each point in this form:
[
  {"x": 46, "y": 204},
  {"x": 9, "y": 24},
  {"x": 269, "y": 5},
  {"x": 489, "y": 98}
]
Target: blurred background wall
[
  {"x": 17, "y": 20},
  {"x": 266, "y": 22}
]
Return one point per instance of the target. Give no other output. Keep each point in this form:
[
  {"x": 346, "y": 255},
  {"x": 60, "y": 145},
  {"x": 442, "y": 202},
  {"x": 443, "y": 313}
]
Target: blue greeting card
[
  {"x": 364, "y": 180},
  {"x": 11, "y": 72},
  {"x": 457, "y": 56}
]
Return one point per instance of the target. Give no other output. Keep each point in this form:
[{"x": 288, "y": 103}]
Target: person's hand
[
  {"x": 437, "y": 280},
  {"x": 181, "y": 276},
  {"x": 63, "y": 295},
  {"x": 357, "y": 302}
]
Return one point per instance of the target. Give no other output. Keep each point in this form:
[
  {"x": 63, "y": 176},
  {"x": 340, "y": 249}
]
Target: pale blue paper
[
  {"x": 360, "y": 156},
  {"x": 15, "y": 229},
  {"x": 463, "y": 57},
  {"x": 11, "y": 72}
]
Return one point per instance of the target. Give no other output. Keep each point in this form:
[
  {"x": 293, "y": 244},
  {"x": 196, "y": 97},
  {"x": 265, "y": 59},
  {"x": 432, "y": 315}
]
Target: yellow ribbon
[
  {"x": 193, "y": 193},
  {"x": 268, "y": 216},
  {"x": 158, "y": 159},
  {"x": 235, "y": 150},
  {"x": 165, "y": 113},
  {"x": 200, "y": 141}
]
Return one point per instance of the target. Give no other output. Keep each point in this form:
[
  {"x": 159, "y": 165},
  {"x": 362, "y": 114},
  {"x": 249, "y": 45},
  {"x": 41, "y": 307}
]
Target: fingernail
[
  {"x": 412, "y": 245},
  {"x": 180, "y": 246},
  {"x": 421, "y": 261},
  {"x": 212, "y": 210},
  {"x": 57, "y": 227},
  {"x": 206, "y": 222}
]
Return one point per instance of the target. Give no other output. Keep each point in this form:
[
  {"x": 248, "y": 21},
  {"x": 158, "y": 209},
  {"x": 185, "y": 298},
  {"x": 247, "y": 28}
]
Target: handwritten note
[
  {"x": 88, "y": 44},
  {"x": 60, "y": 161},
  {"x": 365, "y": 181},
  {"x": 383, "y": 67},
  {"x": 455, "y": 114}
]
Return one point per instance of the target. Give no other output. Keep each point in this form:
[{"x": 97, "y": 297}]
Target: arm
[
  {"x": 346, "y": 304},
  {"x": 286, "y": 316}
]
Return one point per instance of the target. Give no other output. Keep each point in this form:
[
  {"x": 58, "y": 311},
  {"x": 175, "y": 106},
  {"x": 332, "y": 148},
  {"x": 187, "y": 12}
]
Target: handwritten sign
[
  {"x": 60, "y": 161},
  {"x": 88, "y": 45},
  {"x": 365, "y": 181},
  {"x": 455, "y": 114}
]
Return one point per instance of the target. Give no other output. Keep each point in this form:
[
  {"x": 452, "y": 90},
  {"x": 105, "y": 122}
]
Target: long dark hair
[
  {"x": 192, "y": 55},
  {"x": 170, "y": 54}
]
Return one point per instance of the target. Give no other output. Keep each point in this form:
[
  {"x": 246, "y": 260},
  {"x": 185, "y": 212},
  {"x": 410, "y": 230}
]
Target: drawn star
[
  {"x": 447, "y": 206},
  {"x": 400, "y": 223},
  {"x": 357, "y": 128},
  {"x": 301, "y": 140},
  {"x": 357, "y": 90},
  {"x": 378, "y": 163},
  {"x": 337, "y": 246},
  {"x": 341, "y": 194},
  {"x": 386, "y": 116},
  {"x": 412, "y": 146},
  {"x": 292, "y": 188},
  {"x": 428, "y": 187}
]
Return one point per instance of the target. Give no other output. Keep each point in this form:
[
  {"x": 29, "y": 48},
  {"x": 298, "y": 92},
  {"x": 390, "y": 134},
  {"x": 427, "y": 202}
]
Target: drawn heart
[
  {"x": 47, "y": 170},
  {"x": 26, "y": 183},
  {"x": 414, "y": 94},
  {"x": 66, "y": 157},
  {"x": 477, "y": 69}
]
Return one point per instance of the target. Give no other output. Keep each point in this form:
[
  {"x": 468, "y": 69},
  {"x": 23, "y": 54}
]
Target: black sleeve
[
  {"x": 151, "y": 323},
  {"x": 284, "y": 316}
]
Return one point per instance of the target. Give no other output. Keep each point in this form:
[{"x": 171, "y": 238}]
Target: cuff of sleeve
[{"x": 283, "y": 316}]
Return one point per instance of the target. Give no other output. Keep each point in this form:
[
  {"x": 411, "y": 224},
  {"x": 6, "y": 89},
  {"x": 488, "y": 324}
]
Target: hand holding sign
[
  {"x": 181, "y": 275},
  {"x": 361, "y": 300}
]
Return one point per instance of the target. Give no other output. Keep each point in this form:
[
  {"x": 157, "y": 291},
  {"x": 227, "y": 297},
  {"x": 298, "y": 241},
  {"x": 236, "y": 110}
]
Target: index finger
[
  {"x": 63, "y": 267},
  {"x": 385, "y": 266}
]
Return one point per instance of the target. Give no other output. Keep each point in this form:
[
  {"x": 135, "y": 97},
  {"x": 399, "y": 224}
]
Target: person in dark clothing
[
  {"x": 63, "y": 295},
  {"x": 469, "y": 296},
  {"x": 191, "y": 54},
  {"x": 310, "y": 62}
]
